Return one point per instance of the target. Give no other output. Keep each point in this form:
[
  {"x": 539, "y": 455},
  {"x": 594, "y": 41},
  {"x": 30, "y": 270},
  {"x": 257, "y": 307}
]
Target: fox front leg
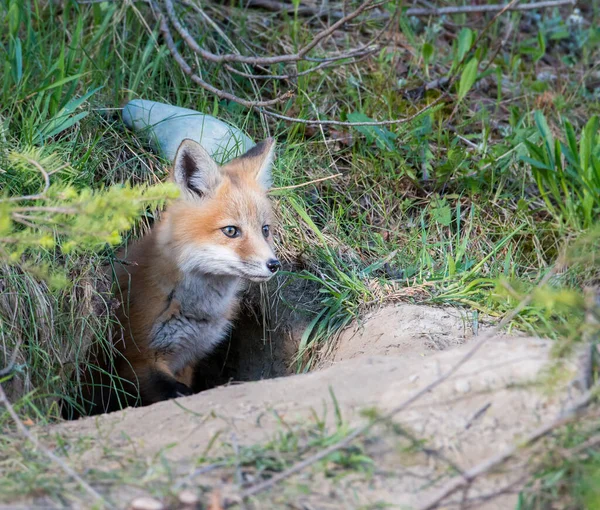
[
  {"x": 157, "y": 383},
  {"x": 163, "y": 386}
]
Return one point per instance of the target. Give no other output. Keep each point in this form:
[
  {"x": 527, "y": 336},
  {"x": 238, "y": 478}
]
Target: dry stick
[
  {"x": 275, "y": 6},
  {"x": 185, "y": 67},
  {"x": 267, "y": 484},
  {"x": 33, "y": 440},
  {"x": 13, "y": 357},
  {"x": 350, "y": 124},
  {"x": 232, "y": 57},
  {"x": 357, "y": 57},
  {"x": 306, "y": 183},
  {"x": 487, "y": 465},
  {"x": 46, "y": 209},
  {"x": 469, "y": 9}
]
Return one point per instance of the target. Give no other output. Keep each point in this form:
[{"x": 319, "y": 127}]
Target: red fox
[{"x": 180, "y": 283}]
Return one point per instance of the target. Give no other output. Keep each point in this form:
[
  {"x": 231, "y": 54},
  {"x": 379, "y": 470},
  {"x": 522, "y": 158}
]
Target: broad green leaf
[
  {"x": 572, "y": 142},
  {"x": 586, "y": 143},
  {"x": 441, "y": 212},
  {"x": 544, "y": 130},
  {"x": 14, "y": 17},
  {"x": 467, "y": 79},
  {"x": 465, "y": 40},
  {"x": 535, "y": 163},
  {"x": 18, "y": 69},
  {"x": 427, "y": 52},
  {"x": 542, "y": 46}
]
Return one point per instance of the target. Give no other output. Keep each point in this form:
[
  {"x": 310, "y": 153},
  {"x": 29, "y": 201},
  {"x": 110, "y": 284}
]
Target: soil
[{"x": 492, "y": 401}]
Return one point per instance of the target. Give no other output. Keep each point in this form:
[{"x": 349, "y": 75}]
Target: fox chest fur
[{"x": 197, "y": 318}]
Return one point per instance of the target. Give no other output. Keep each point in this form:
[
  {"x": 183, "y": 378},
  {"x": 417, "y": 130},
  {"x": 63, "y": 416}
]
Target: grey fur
[{"x": 205, "y": 303}]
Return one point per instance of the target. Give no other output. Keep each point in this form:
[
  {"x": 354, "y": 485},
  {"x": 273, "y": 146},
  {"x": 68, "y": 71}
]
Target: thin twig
[
  {"x": 294, "y": 186},
  {"x": 472, "y": 9},
  {"x": 352, "y": 124},
  {"x": 277, "y": 59},
  {"x": 306, "y": 10},
  {"x": 186, "y": 68},
  {"x": 57, "y": 460},
  {"x": 356, "y": 57},
  {"x": 48, "y": 209},
  {"x": 301, "y": 10},
  {"x": 13, "y": 358},
  {"x": 488, "y": 465}
]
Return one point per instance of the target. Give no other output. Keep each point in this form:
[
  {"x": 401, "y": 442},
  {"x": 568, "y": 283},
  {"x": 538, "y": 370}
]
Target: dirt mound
[
  {"x": 406, "y": 330},
  {"x": 488, "y": 404}
]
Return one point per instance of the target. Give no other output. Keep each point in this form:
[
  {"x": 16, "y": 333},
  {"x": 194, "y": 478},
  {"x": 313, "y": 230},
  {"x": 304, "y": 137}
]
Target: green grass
[{"x": 469, "y": 204}]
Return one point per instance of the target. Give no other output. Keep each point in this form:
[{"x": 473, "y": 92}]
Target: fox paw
[{"x": 181, "y": 390}]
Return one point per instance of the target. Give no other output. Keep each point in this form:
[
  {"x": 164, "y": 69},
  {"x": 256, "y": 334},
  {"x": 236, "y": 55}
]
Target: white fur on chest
[{"x": 202, "y": 321}]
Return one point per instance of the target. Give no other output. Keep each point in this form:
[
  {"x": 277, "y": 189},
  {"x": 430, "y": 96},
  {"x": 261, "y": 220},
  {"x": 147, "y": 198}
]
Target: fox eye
[
  {"x": 231, "y": 231},
  {"x": 265, "y": 230}
]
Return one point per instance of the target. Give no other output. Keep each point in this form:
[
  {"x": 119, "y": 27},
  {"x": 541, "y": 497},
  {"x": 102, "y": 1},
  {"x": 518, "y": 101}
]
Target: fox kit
[{"x": 180, "y": 283}]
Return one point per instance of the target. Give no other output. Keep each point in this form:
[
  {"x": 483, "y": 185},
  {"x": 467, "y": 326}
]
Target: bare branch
[
  {"x": 357, "y": 56},
  {"x": 186, "y": 68},
  {"x": 306, "y": 183},
  {"x": 49, "y": 209},
  {"x": 471, "y": 9},
  {"x": 488, "y": 465},
  {"x": 301, "y": 10},
  {"x": 352, "y": 124},
  {"x": 233, "y": 57},
  {"x": 306, "y": 10}
]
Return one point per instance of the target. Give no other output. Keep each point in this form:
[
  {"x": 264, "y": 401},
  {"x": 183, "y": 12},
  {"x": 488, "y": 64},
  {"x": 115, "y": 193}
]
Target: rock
[
  {"x": 167, "y": 126},
  {"x": 462, "y": 386},
  {"x": 545, "y": 76},
  {"x": 146, "y": 503},
  {"x": 188, "y": 498}
]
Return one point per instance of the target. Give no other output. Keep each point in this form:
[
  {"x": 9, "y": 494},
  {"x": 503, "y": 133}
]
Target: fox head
[{"x": 221, "y": 224}]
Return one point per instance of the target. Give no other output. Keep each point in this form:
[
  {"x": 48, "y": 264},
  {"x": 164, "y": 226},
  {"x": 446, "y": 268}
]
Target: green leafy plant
[{"x": 567, "y": 173}]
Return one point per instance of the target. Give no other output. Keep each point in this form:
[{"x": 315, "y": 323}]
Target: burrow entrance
[
  {"x": 265, "y": 338},
  {"x": 263, "y": 348}
]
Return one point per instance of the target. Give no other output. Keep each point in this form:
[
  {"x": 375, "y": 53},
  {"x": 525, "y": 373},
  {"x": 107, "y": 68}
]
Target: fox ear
[
  {"x": 194, "y": 170},
  {"x": 261, "y": 158}
]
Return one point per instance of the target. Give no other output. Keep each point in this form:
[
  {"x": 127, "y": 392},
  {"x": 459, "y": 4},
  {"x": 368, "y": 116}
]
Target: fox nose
[{"x": 273, "y": 265}]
